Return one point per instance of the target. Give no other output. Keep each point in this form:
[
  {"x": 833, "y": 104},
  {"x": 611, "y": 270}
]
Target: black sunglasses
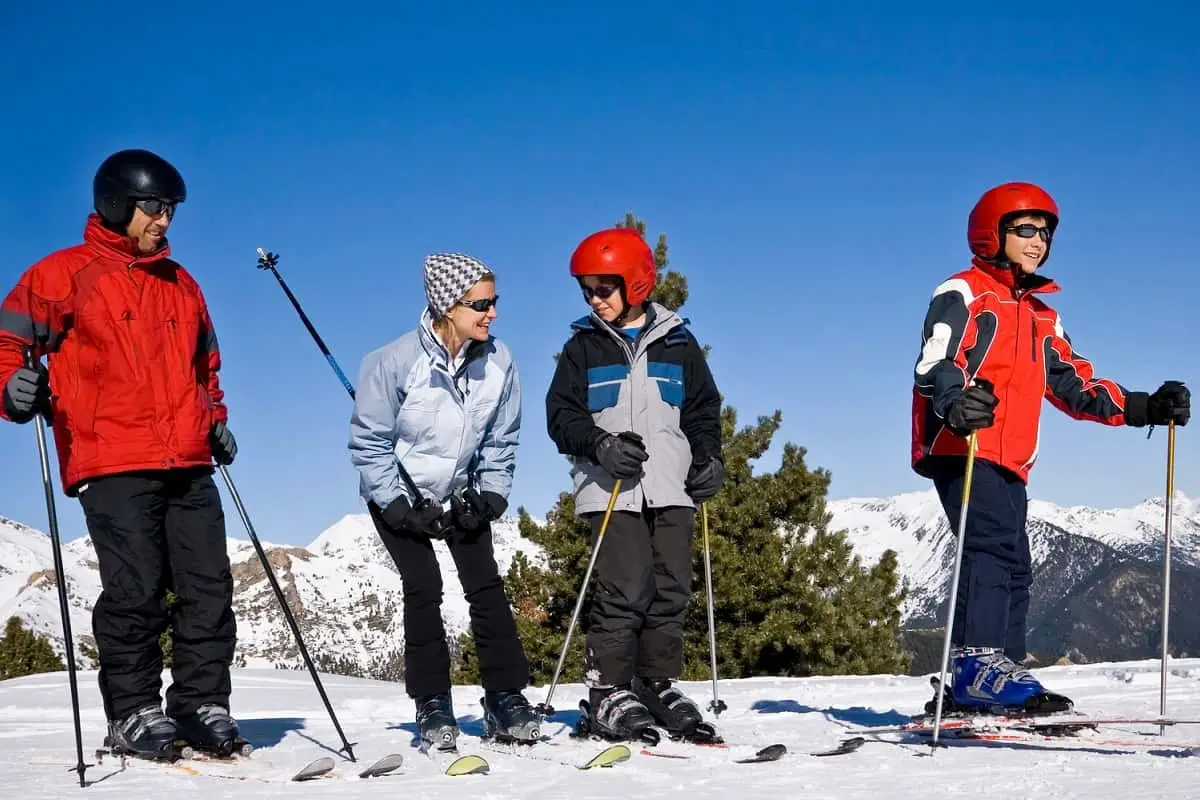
[
  {"x": 1029, "y": 230},
  {"x": 480, "y": 305},
  {"x": 603, "y": 291},
  {"x": 153, "y": 206}
]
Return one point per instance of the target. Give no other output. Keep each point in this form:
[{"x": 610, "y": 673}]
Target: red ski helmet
[
  {"x": 1008, "y": 199},
  {"x": 618, "y": 251}
]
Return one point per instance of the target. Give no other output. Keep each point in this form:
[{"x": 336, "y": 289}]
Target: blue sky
[{"x": 812, "y": 167}]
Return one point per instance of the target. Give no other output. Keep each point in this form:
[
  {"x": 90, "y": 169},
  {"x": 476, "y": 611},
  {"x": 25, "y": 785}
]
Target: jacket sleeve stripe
[
  {"x": 1072, "y": 388},
  {"x": 941, "y": 369}
]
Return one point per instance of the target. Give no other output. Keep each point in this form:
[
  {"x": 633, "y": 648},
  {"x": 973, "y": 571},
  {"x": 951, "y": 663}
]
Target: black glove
[
  {"x": 705, "y": 479},
  {"x": 621, "y": 455},
  {"x": 1171, "y": 402},
  {"x": 473, "y": 510},
  {"x": 974, "y": 408},
  {"x": 425, "y": 519},
  {"x": 27, "y": 393},
  {"x": 224, "y": 446}
]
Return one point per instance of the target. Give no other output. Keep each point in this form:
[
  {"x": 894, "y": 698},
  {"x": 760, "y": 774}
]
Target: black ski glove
[
  {"x": 224, "y": 446},
  {"x": 621, "y": 455},
  {"x": 27, "y": 393},
  {"x": 1171, "y": 402},
  {"x": 972, "y": 409},
  {"x": 472, "y": 511},
  {"x": 425, "y": 519},
  {"x": 705, "y": 479}
]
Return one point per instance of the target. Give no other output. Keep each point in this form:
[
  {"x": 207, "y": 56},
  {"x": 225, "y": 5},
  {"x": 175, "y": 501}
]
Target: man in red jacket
[
  {"x": 992, "y": 351},
  {"x": 137, "y": 414}
]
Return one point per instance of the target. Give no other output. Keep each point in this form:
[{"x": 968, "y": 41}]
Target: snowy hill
[
  {"x": 1095, "y": 594},
  {"x": 282, "y": 713}
]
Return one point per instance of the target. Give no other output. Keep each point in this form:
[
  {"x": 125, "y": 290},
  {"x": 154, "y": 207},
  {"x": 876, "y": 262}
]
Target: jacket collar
[
  {"x": 660, "y": 321},
  {"x": 437, "y": 352},
  {"x": 119, "y": 247},
  {"x": 1006, "y": 277}
]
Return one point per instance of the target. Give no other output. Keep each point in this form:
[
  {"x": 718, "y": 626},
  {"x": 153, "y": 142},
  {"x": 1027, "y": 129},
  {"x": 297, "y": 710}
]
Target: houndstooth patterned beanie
[{"x": 449, "y": 276}]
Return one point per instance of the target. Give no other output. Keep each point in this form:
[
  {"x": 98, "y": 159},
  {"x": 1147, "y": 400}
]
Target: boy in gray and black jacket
[{"x": 632, "y": 399}]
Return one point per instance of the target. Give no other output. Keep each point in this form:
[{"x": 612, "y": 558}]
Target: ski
[
  {"x": 453, "y": 763},
  {"x": 608, "y": 756},
  {"x": 188, "y": 761},
  {"x": 772, "y": 752},
  {"x": 1063, "y": 722},
  {"x": 205, "y": 765},
  {"x": 966, "y": 735}
]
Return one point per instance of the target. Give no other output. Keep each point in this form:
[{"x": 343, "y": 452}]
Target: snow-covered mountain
[
  {"x": 1097, "y": 572},
  {"x": 343, "y": 589},
  {"x": 1096, "y": 593}
]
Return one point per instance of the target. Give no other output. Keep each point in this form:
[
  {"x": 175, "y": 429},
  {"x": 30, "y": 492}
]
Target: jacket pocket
[
  {"x": 604, "y": 386},
  {"x": 669, "y": 379}
]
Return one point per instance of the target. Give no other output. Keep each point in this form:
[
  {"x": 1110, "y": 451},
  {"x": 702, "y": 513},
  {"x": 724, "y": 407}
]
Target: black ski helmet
[{"x": 130, "y": 175}]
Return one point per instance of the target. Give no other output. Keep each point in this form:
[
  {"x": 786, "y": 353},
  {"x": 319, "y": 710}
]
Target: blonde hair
[{"x": 442, "y": 325}]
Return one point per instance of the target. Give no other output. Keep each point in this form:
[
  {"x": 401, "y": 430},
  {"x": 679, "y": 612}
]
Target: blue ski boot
[{"x": 985, "y": 680}]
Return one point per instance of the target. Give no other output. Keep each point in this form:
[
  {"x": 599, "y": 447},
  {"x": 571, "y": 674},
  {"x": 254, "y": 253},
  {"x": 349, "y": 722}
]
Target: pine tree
[
  {"x": 166, "y": 640},
  {"x": 23, "y": 652},
  {"x": 790, "y": 596}
]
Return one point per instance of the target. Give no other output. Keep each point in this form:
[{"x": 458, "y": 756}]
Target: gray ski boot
[
  {"x": 508, "y": 717},
  {"x": 146, "y": 733},
  {"x": 435, "y": 722}
]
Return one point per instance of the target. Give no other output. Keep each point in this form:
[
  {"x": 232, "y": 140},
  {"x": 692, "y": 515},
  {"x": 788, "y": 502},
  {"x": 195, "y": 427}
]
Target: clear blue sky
[{"x": 811, "y": 165}]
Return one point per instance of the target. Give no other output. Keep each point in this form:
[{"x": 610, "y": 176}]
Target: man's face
[{"x": 148, "y": 228}]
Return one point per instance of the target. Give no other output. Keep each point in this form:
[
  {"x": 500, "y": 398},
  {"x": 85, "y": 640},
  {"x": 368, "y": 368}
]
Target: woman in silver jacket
[{"x": 438, "y": 412}]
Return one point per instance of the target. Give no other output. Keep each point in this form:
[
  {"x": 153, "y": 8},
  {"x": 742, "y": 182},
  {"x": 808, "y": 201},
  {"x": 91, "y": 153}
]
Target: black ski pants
[
  {"x": 997, "y": 571},
  {"x": 502, "y": 661},
  {"x": 642, "y": 585},
  {"x": 154, "y": 531}
]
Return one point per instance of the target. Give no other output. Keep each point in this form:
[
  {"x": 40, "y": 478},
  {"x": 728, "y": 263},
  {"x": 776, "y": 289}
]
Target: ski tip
[
  {"x": 468, "y": 765},
  {"x": 609, "y": 756},
  {"x": 389, "y": 763},
  {"x": 314, "y": 769}
]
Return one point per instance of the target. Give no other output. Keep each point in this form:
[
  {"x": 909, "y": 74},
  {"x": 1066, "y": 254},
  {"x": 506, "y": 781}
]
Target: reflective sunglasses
[
  {"x": 603, "y": 291},
  {"x": 153, "y": 206},
  {"x": 481, "y": 306},
  {"x": 1029, "y": 230}
]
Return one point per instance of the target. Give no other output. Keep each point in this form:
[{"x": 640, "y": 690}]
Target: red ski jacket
[
  {"x": 981, "y": 324},
  {"x": 133, "y": 358}
]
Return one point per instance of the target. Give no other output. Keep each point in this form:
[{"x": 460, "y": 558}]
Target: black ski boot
[
  {"x": 210, "y": 729},
  {"x": 508, "y": 717},
  {"x": 616, "y": 714},
  {"x": 674, "y": 710},
  {"x": 436, "y": 725},
  {"x": 146, "y": 733}
]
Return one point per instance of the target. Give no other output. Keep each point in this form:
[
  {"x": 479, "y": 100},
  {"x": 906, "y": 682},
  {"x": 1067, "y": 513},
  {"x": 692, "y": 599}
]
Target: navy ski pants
[{"x": 993, "y": 586}]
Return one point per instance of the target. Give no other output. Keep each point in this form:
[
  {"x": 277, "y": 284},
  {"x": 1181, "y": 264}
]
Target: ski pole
[
  {"x": 269, "y": 261},
  {"x": 287, "y": 612},
  {"x": 59, "y": 576},
  {"x": 717, "y": 705},
  {"x": 545, "y": 709},
  {"x": 1166, "y": 580},
  {"x": 972, "y": 444}
]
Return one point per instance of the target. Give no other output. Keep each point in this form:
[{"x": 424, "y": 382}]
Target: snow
[{"x": 282, "y": 711}]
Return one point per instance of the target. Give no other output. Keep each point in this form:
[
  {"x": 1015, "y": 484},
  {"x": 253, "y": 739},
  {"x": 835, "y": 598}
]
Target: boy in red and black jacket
[
  {"x": 992, "y": 349},
  {"x": 632, "y": 399}
]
